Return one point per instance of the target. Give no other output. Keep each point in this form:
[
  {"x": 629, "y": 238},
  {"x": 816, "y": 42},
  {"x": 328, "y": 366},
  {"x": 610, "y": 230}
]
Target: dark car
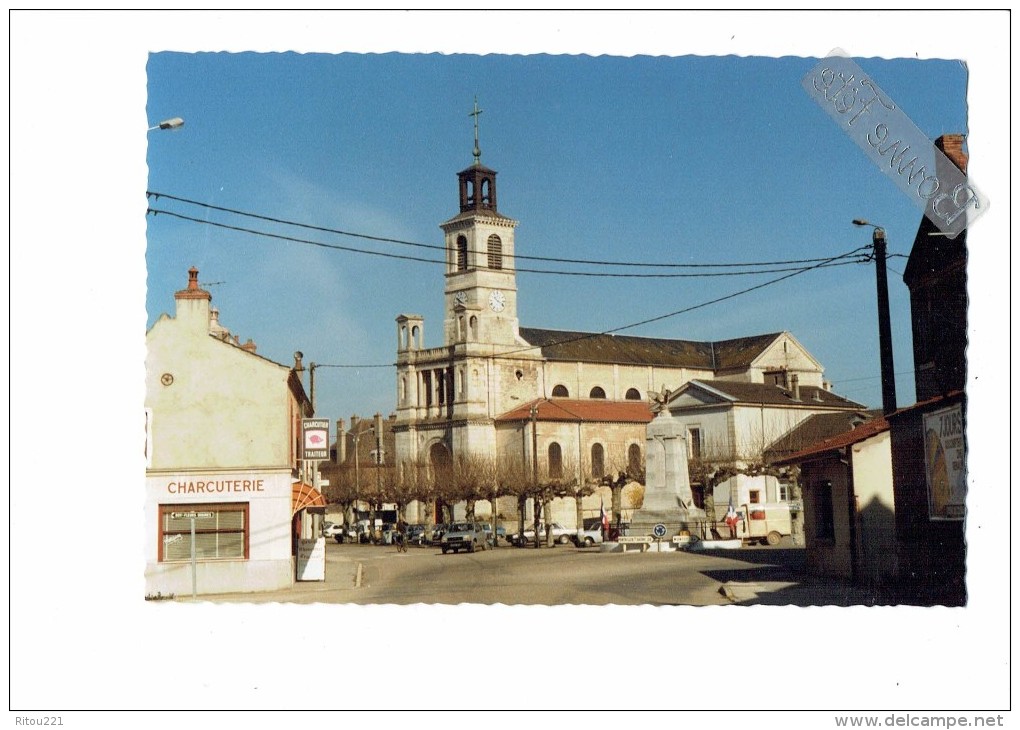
[{"x": 414, "y": 534}]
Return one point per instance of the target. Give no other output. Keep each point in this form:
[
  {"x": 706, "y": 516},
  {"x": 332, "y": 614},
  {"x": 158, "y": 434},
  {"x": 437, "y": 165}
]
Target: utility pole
[
  {"x": 885, "y": 347},
  {"x": 311, "y": 385}
]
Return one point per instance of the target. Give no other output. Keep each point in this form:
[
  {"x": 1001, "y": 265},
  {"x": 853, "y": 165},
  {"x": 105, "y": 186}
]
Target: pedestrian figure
[
  {"x": 731, "y": 521},
  {"x": 400, "y": 537}
]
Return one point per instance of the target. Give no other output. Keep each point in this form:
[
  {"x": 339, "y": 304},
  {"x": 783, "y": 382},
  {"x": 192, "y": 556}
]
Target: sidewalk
[
  {"x": 341, "y": 578},
  {"x": 801, "y": 591}
]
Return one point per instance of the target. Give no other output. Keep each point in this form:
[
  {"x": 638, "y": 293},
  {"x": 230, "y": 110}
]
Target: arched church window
[
  {"x": 634, "y": 459},
  {"x": 597, "y": 392},
  {"x": 555, "y": 461},
  {"x": 560, "y": 391},
  {"x": 473, "y": 328},
  {"x": 633, "y": 394},
  {"x": 470, "y": 192},
  {"x": 495, "y": 252},
  {"x": 598, "y": 461},
  {"x": 439, "y": 458},
  {"x": 486, "y": 192},
  {"x": 461, "y": 253}
]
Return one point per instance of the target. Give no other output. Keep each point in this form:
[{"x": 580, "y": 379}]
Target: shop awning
[{"x": 304, "y": 495}]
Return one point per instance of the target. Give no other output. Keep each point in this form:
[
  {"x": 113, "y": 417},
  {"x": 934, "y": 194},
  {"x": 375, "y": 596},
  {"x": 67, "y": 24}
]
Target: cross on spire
[{"x": 477, "y": 151}]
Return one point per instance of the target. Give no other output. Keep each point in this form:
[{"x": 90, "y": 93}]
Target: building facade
[
  {"x": 223, "y": 429},
  {"x": 467, "y": 398},
  {"x": 929, "y": 438},
  {"x": 733, "y": 427},
  {"x": 849, "y": 510}
]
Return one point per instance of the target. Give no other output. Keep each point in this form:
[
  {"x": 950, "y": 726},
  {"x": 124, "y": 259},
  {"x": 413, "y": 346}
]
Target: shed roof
[{"x": 840, "y": 441}]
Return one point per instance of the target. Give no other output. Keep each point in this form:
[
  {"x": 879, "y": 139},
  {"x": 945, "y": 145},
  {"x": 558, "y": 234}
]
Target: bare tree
[{"x": 515, "y": 479}]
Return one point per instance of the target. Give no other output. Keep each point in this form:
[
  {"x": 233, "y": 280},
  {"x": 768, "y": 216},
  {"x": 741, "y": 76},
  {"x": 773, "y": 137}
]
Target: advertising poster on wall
[{"x": 945, "y": 463}]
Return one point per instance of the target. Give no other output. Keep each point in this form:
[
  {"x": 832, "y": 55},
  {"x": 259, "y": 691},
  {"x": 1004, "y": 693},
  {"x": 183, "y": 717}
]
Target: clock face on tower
[
  {"x": 497, "y": 301},
  {"x": 460, "y": 297}
]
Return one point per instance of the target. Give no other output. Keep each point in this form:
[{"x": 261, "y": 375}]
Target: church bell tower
[{"x": 481, "y": 284}]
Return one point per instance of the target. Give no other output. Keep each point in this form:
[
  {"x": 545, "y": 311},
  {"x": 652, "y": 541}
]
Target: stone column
[{"x": 668, "y": 497}]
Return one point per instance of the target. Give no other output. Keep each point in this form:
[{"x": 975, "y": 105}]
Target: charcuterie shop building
[{"x": 222, "y": 443}]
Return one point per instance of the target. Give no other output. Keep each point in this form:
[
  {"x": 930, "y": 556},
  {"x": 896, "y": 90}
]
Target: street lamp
[
  {"x": 174, "y": 123},
  {"x": 884, "y": 327},
  {"x": 357, "y": 472}
]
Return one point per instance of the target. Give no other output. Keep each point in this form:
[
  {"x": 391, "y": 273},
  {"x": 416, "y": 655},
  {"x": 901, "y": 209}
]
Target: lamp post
[
  {"x": 534, "y": 471},
  {"x": 357, "y": 472},
  {"x": 884, "y": 328},
  {"x": 378, "y": 428},
  {"x": 174, "y": 123}
]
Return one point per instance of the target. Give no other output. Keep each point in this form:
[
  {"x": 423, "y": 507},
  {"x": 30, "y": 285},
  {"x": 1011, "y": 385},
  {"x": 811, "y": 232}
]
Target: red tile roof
[{"x": 574, "y": 409}]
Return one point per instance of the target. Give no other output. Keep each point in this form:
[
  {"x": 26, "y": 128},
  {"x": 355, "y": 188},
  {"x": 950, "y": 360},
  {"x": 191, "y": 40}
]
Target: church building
[{"x": 578, "y": 399}]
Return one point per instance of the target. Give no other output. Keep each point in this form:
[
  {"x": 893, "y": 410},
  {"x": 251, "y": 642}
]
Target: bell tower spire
[
  {"x": 478, "y": 150},
  {"x": 481, "y": 285},
  {"x": 477, "y": 183}
]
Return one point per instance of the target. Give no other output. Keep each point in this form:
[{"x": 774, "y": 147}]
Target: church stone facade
[{"x": 473, "y": 396}]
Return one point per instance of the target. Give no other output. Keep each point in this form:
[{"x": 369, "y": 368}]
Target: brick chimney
[
  {"x": 193, "y": 303},
  {"x": 951, "y": 146},
  {"x": 248, "y": 346},
  {"x": 795, "y": 386},
  {"x": 341, "y": 442}
]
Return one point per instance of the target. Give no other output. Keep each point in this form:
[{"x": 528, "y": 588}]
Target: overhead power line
[
  {"x": 435, "y": 247},
  {"x": 590, "y": 335},
  {"x": 595, "y": 274}
]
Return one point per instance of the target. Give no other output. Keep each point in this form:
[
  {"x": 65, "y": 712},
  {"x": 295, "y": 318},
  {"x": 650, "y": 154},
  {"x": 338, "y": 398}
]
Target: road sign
[{"x": 659, "y": 530}]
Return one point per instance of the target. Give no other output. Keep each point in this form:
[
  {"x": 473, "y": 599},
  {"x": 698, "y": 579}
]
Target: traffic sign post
[
  {"x": 660, "y": 532},
  {"x": 194, "y": 557},
  {"x": 194, "y": 561}
]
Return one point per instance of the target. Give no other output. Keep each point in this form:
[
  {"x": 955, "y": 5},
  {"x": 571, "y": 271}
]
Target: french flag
[{"x": 603, "y": 515}]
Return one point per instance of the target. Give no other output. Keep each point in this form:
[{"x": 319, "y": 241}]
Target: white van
[{"x": 765, "y": 522}]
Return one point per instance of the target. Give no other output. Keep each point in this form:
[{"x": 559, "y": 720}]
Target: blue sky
[{"x": 685, "y": 159}]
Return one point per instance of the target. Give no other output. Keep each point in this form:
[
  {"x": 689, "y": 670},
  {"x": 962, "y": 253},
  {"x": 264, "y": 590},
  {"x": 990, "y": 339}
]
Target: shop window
[
  {"x": 221, "y": 531},
  {"x": 560, "y": 391},
  {"x": 598, "y": 461},
  {"x": 784, "y": 492},
  {"x": 555, "y": 461}
]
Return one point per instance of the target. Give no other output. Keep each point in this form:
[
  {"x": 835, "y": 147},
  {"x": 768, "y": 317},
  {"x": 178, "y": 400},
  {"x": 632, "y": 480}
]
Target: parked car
[
  {"x": 415, "y": 534},
  {"x": 337, "y": 532},
  {"x": 500, "y": 532},
  {"x": 467, "y": 536},
  {"x": 561, "y": 535},
  {"x": 589, "y": 537},
  {"x": 435, "y": 535}
]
